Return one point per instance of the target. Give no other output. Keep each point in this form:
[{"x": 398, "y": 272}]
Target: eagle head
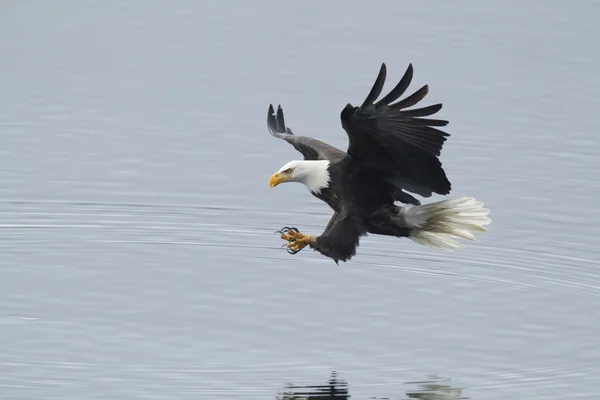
[{"x": 314, "y": 174}]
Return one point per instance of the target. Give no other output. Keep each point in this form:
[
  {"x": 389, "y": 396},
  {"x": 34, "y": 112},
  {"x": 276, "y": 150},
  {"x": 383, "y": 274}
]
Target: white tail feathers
[{"x": 440, "y": 224}]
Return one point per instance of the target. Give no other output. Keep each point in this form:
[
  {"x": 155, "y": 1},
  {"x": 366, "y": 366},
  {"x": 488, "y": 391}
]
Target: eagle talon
[
  {"x": 288, "y": 233},
  {"x": 296, "y": 241},
  {"x": 284, "y": 230},
  {"x": 287, "y": 229}
]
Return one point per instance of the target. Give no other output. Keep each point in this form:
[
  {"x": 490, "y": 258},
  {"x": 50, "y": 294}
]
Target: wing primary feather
[
  {"x": 429, "y": 122},
  {"x": 424, "y": 111},
  {"x": 280, "y": 120},
  {"x": 425, "y": 132},
  {"x": 272, "y": 124},
  {"x": 276, "y": 125},
  {"x": 431, "y": 143},
  {"x": 415, "y": 135},
  {"x": 377, "y": 87},
  {"x": 399, "y": 89},
  {"x": 411, "y": 100}
]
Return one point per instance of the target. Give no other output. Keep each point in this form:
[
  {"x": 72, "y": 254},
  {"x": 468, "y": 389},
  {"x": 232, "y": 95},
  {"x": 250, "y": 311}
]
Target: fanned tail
[{"x": 440, "y": 224}]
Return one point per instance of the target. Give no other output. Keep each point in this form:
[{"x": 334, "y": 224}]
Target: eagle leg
[{"x": 296, "y": 240}]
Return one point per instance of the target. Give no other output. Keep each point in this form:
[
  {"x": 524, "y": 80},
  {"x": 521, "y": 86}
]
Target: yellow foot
[{"x": 296, "y": 240}]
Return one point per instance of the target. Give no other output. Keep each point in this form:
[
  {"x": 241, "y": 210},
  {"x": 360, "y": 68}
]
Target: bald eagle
[{"x": 392, "y": 152}]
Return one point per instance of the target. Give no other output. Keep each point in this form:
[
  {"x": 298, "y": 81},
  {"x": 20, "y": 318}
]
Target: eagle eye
[{"x": 288, "y": 171}]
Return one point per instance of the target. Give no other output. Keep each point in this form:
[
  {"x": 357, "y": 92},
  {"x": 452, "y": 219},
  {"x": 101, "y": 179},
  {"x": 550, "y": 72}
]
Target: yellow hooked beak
[{"x": 277, "y": 178}]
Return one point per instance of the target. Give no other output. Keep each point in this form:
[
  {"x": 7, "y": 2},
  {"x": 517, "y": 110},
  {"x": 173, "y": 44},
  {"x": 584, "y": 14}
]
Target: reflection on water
[
  {"x": 336, "y": 388},
  {"x": 434, "y": 388}
]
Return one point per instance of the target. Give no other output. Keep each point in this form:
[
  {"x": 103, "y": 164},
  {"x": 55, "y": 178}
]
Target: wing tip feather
[
  {"x": 276, "y": 123},
  {"x": 376, "y": 88}
]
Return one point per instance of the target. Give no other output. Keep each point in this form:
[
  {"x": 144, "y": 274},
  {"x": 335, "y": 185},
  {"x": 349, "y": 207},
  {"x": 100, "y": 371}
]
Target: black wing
[
  {"x": 311, "y": 149},
  {"x": 340, "y": 238},
  {"x": 400, "y": 145}
]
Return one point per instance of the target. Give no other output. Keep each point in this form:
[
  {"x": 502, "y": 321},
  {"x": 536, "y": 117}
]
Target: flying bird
[{"x": 393, "y": 154}]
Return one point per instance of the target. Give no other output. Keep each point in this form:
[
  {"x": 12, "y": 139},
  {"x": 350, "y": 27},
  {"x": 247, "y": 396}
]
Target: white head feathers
[{"x": 314, "y": 174}]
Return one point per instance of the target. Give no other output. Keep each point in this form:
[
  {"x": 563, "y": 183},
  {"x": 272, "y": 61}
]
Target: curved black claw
[
  {"x": 286, "y": 229},
  {"x": 291, "y": 251}
]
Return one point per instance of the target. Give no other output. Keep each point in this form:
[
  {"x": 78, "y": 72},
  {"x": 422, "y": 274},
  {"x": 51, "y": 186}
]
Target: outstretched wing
[
  {"x": 311, "y": 149},
  {"x": 398, "y": 144},
  {"x": 341, "y": 236}
]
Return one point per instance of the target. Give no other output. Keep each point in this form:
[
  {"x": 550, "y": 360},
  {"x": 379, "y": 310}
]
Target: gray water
[{"x": 137, "y": 255}]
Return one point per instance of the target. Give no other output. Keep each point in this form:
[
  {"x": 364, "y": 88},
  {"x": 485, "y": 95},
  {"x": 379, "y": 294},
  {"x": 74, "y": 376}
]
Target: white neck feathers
[{"x": 317, "y": 177}]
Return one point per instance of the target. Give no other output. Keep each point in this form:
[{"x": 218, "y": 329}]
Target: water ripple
[{"x": 513, "y": 266}]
